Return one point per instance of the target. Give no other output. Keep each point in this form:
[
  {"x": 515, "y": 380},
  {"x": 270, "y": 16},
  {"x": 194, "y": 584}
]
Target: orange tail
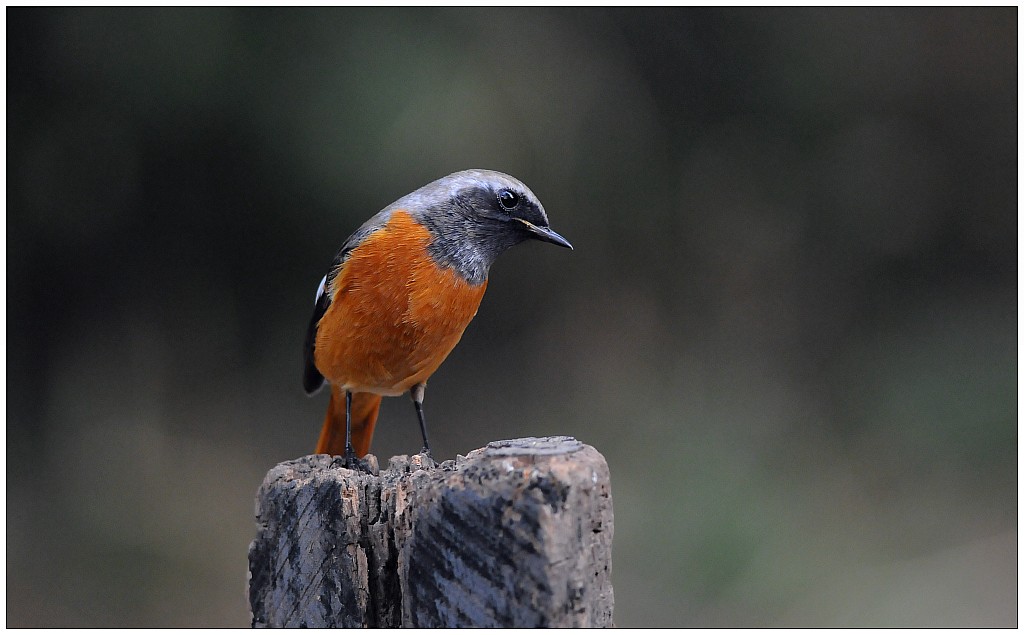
[{"x": 365, "y": 407}]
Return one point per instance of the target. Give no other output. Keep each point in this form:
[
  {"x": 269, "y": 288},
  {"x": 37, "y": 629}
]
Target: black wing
[{"x": 312, "y": 379}]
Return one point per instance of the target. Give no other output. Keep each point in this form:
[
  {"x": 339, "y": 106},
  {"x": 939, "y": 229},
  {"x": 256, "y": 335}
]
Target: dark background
[{"x": 789, "y": 322}]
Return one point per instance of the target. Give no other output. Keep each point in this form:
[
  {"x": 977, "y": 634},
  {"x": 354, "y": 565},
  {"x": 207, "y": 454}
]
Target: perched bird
[{"x": 402, "y": 290}]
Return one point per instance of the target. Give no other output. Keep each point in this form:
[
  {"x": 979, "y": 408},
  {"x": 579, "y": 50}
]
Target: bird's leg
[
  {"x": 351, "y": 460},
  {"x": 417, "y": 400}
]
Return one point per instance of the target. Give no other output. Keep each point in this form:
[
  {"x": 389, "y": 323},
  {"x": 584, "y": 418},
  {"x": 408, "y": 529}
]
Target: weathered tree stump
[{"x": 515, "y": 534}]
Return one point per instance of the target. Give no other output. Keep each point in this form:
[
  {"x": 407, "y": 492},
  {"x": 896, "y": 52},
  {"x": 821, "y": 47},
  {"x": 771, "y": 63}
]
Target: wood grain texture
[{"x": 515, "y": 534}]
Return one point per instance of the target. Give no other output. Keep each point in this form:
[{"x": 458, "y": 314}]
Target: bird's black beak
[{"x": 545, "y": 233}]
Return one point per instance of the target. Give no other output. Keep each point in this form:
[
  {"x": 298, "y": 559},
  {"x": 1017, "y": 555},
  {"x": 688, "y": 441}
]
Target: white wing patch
[{"x": 320, "y": 290}]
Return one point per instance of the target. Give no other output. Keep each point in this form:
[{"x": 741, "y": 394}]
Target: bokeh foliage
[{"x": 789, "y": 322}]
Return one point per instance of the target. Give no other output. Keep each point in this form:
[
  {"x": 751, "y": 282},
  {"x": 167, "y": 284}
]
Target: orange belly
[{"x": 395, "y": 314}]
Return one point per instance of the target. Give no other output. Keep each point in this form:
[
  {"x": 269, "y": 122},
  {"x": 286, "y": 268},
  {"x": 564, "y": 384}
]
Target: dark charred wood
[{"x": 515, "y": 534}]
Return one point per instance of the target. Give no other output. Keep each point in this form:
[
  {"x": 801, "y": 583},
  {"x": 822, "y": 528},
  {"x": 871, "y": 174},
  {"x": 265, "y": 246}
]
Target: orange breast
[{"x": 395, "y": 314}]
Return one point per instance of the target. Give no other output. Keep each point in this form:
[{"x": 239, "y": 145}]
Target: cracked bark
[{"x": 515, "y": 534}]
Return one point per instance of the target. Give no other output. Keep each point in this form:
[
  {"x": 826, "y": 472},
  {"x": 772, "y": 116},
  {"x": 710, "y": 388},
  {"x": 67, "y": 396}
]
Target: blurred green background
[{"x": 789, "y": 323}]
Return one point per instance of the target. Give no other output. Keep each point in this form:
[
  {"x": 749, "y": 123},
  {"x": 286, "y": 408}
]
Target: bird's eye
[{"x": 508, "y": 199}]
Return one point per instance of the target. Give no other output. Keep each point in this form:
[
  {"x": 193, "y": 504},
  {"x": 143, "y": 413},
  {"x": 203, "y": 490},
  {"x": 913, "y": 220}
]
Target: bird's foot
[{"x": 351, "y": 460}]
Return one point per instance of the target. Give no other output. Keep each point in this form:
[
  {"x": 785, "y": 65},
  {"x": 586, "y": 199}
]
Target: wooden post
[{"x": 515, "y": 534}]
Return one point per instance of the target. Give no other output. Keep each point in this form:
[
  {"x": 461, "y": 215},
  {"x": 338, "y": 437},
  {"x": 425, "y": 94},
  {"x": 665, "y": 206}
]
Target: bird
[{"x": 401, "y": 291}]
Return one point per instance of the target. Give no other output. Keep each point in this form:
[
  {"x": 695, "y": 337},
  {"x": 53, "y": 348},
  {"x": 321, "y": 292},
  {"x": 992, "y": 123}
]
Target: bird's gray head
[{"x": 474, "y": 216}]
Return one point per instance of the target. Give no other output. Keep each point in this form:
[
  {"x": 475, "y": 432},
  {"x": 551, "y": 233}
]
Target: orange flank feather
[{"x": 394, "y": 317}]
